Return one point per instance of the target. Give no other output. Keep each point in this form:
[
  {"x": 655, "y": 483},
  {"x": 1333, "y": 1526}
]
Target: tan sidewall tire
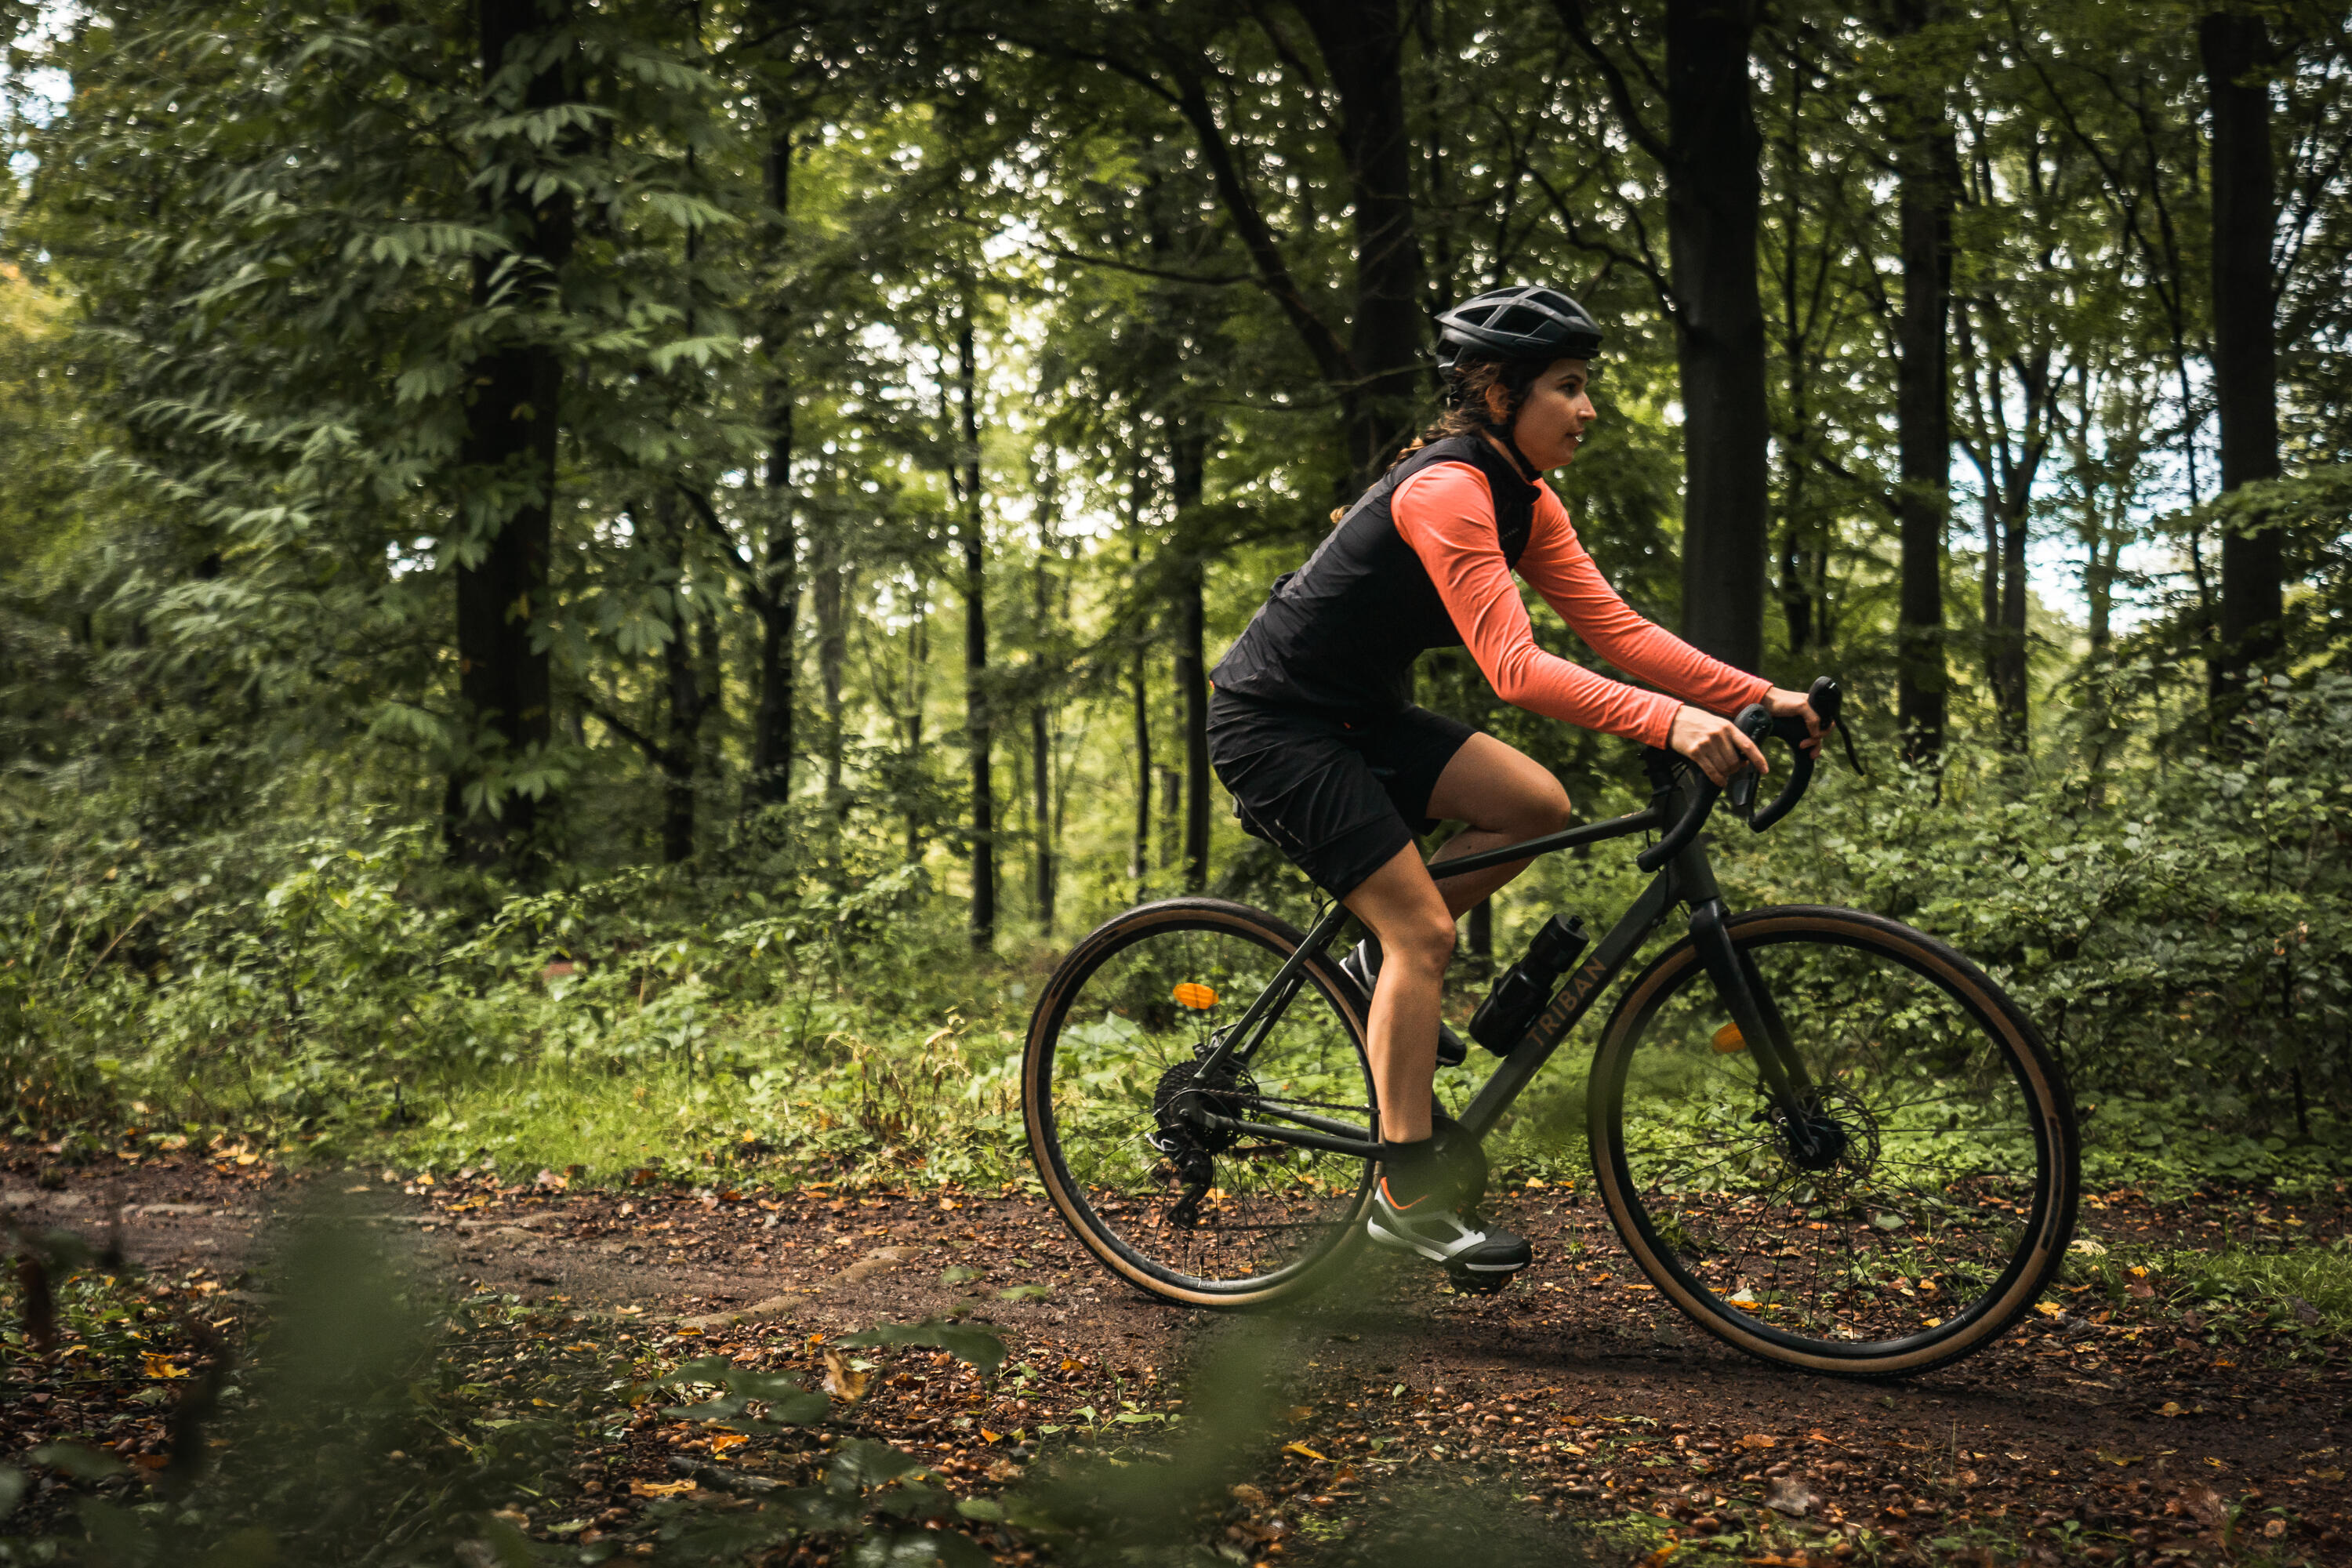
[
  {"x": 1045, "y": 1023},
  {"x": 2045, "y": 1083}
]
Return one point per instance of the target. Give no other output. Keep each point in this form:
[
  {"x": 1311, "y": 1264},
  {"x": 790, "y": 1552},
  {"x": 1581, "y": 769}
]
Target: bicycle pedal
[{"x": 1470, "y": 1282}]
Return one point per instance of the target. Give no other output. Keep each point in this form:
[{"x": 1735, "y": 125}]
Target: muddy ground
[{"x": 1577, "y": 1395}]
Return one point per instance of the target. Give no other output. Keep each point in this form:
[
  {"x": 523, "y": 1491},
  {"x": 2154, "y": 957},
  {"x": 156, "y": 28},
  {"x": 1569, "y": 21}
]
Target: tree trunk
[
  {"x": 2009, "y": 668},
  {"x": 681, "y": 747},
  {"x": 506, "y": 515},
  {"x": 827, "y": 592},
  {"x": 2236, "y": 49},
  {"x": 1138, "y": 859},
  {"x": 1713, "y": 192},
  {"x": 918, "y": 660},
  {"x": 1926, "y": 168},
  {"x": 1188, "y": 464},
  {"x": 1041, "y": 763},
  {"x": 1362, "y": 45},
  {"x": 975, "y": 641},
  {"x": 777, "y": 599}
]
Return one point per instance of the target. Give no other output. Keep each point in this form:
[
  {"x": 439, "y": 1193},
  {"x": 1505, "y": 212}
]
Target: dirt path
[{"x": 1577, "y": 1394}]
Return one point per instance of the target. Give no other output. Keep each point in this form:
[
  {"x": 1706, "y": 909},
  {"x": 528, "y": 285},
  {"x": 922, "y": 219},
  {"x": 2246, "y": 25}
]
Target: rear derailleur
[{"x": 1187, "y": 1143}]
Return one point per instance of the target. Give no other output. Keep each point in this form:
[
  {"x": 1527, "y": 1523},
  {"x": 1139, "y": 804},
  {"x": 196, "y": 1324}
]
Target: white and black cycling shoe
[
  {"x": 1445, "y": 1235},
  {"x": 1362, "y": 965}
]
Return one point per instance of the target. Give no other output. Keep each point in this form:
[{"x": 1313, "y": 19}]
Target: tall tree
[
  {"x": 774, "y": 585},
  {"x": 2235, "y": 46},
  {"x": 971, "y": 536},
  {"x": 1926, "y": 168},
  {"x": 528, "y": 63},
  {"x": 1362, "y": 46},
  {"x": 1188, "y": 461},
  {"x": 1710, "y": 152}
]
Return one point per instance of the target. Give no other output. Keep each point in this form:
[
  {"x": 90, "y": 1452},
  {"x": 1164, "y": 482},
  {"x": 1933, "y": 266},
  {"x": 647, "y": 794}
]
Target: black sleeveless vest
[{"x": 1341, "y": 633}]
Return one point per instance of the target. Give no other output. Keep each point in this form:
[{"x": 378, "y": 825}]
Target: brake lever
[{"x": 1755, "y": 721}]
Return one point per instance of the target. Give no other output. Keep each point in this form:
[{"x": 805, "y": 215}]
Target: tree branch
[
  {"x": 1621, "y": 92},
  {"x": 1331, "y": 356},
  {"x": 621, "y": 727}
]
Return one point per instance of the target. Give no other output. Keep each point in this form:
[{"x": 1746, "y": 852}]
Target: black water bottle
[{"x": 1504, "y": 1017}]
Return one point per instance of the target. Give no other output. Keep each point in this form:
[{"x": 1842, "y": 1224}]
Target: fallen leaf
[
  {"x": 1303, "y": 1449},
  {"x": 1658, "y": 1559},
  {"x": 159, "y": 1365},
  {"x": 722, "y": 1441},
  {"x": 988, "y": 1437},
  {"x": 1298, "y": 1412},
  {"x": 660, "y": 1489},
  {"x": 1758, "y": 1440},
  {"x": 843, "y": 1381},
  {"x": 1248, "y": 1496},
  {"x": 1790, "y": 1495}
]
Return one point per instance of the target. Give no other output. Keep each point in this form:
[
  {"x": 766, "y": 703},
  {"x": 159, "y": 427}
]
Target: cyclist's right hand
[{"x": 1715, "y": 744}]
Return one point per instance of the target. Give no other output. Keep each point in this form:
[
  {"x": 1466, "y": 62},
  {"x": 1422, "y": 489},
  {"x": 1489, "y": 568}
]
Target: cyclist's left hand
[{"x": 1787, "y": 704}]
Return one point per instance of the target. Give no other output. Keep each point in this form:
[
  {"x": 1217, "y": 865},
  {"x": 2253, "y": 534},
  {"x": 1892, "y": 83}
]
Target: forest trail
[{"x": 1578, "y": 1389}]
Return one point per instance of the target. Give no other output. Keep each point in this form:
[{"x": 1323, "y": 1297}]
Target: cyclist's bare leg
[
  {"x": 1505, "y": 797},
  {"x": 1401, "y": 904}
]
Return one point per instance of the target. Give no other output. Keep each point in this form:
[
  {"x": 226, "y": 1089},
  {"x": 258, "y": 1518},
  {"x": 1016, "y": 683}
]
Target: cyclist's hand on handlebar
[
  {"x": 1715, "y": 744},
  {"x": 1787, "y": 704}
]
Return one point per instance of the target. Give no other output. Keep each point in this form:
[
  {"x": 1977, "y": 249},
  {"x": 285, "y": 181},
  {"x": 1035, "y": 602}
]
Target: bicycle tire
[
  {"x": 1079, "y": 996},
  {"x": 1655, "y": 1226}
]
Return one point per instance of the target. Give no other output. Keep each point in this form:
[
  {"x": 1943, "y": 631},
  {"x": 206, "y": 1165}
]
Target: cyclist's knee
[
  {"x": 1425, "y": 943},
  {"x": 1548, "y": 810}
]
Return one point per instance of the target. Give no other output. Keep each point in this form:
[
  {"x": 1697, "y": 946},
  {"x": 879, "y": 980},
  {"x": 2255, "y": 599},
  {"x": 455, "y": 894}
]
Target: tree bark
[
  {"x": 1927, "y": 167},
  {"x": 509, "y": 456},
  {"x": 681, "y": 748},
  {"x": 1138, "y": 859},
  {"x": 1186, "y": 467},
  {"x": 1041, "y": 749},
  {"x": 827, "y": 592},
  {"x": 975, "y": 640},
  {"x": 1362, "y": 45},
  {"x": 776, "y": 599},
  {"x": 2236, "y": 49},
  {"x": 1714, "y": 191}
]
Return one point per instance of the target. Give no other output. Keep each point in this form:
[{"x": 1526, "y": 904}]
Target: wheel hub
[{"x": 1834, "y": 1132}]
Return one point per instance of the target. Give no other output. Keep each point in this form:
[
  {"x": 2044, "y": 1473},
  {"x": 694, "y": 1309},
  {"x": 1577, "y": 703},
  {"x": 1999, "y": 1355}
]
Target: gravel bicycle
[{"x": 1828, "y": 1139}]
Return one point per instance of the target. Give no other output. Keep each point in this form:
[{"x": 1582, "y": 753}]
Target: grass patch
[{"x": 945, "y": 1111}]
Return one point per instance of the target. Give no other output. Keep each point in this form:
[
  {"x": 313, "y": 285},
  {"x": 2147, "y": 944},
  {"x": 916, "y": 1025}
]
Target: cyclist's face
[{"x": 1557, "y": 410}]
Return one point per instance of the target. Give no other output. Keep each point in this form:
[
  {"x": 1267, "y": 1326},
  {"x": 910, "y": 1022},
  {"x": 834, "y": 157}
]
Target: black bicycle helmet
[{"x": 1528, "y": 322}]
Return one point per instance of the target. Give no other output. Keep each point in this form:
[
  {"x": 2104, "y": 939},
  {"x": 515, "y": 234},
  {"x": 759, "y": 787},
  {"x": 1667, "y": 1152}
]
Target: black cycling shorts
[{"x": 1339, "y": 798}]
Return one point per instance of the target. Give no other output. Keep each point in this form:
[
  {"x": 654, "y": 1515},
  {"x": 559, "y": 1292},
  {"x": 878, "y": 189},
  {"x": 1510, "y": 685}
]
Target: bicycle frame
[{"x": 1686, "y": 878}]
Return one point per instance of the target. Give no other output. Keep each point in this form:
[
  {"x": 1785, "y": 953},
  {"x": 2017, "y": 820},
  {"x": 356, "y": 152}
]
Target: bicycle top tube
[{"x": 1643, "y": 821}]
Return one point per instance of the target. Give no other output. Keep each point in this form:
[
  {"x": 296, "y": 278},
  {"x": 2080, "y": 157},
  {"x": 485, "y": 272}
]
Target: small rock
[{"x": 1790, "y": 1495}]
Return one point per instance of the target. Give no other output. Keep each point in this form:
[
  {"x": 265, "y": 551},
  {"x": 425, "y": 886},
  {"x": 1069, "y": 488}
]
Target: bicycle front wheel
[
  {"x": 1111, "y": 1086},
  {"x": 1929, "y": 1218}
]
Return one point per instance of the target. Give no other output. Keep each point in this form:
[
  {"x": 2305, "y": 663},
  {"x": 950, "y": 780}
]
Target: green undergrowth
[{"x": 2297, "y": 1288}]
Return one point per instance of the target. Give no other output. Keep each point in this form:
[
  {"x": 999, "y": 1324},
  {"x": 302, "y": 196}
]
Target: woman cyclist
[{"x": 1313, "y": 731}]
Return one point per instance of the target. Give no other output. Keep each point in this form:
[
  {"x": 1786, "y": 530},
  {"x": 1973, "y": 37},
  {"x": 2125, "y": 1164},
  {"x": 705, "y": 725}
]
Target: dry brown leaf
[
  {"x": 844, "y": 1382},
  {"x": 1758, "y": 1440},
  {"x": 660, "y": 1489}
]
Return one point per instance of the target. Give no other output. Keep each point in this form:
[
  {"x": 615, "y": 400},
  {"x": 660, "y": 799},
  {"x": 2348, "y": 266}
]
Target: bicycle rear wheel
[
  {"x": 1947, "y": 1204},
  {"x": 1110, "y": 1076}
]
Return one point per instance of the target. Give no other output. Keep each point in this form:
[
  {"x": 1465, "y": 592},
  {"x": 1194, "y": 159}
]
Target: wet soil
[{"x": 1577, "y": 1393}]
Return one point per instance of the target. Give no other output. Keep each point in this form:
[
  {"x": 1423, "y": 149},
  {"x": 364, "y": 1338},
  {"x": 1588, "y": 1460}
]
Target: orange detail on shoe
[{"x": 1392, "y": 1201}]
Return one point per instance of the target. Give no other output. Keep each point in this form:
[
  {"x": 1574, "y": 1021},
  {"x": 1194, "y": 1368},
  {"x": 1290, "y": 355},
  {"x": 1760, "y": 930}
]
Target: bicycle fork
[{"x": 1815, "y": 1140}]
